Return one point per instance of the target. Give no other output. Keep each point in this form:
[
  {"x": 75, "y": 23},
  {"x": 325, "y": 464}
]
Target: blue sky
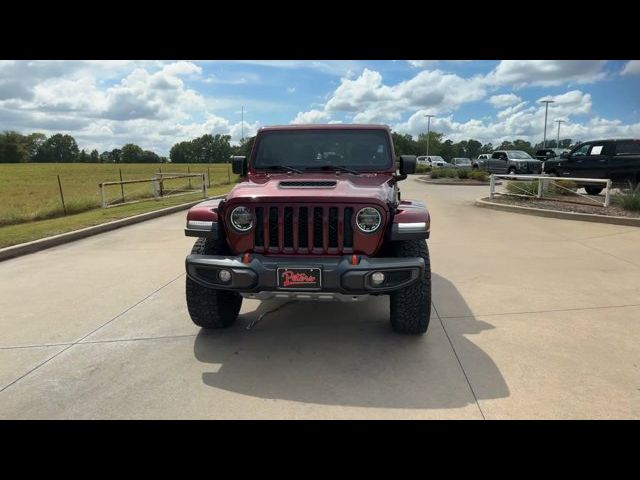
[{"x": 155, "y": 104}]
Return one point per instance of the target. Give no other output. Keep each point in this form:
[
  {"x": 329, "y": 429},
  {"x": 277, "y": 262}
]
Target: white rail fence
[
  {"x": 547, "y": 185},
  {"x": 161, "y": 185}
]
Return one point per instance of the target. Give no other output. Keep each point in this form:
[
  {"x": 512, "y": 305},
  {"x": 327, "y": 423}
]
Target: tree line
[
  {"x": 447, "y": 149},
  {"x": 37, "y": 147}
]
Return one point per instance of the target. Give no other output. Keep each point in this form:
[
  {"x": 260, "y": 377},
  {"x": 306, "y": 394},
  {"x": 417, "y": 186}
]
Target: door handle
[{"x": 604, "y": 160}]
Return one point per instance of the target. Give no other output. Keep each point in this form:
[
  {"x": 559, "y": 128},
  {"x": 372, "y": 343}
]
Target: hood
[{"x": 315, "y": 188}]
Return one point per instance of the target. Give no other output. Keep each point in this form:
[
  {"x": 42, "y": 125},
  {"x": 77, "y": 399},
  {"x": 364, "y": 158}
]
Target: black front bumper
[{"x": 338, "y": 274}]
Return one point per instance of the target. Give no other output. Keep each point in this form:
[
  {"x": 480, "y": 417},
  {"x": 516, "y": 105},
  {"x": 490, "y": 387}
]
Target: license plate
[{"x": 299, "y": 278}]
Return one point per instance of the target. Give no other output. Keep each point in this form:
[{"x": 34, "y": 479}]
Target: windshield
[
  {"x": 519, "y": 155},
  {"x": 361, "y": 150},
  {"x": 463, "y": 161}
]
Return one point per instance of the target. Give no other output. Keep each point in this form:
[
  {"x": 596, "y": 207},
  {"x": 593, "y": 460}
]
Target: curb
[
  {"x": 540, "y": 212},
  {"x": 430, "y": 182},
  {"x": 47, "y": 242}
]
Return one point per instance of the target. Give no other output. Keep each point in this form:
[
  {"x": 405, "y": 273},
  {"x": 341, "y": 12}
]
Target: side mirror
[
  {"x": 564, "y": 155},
  {"x": 239, "y": 165},
  {"x": 407, "y": 164}
]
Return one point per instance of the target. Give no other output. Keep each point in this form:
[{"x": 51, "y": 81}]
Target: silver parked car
[
  {"x": 481, "y": 161},
  {"x": 460, "y": 162},
  {"x": 511, "y": 162}
]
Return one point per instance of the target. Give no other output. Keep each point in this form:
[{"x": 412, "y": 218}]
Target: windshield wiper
[
  {"x": 339, "y": 168},
  {"x": 281, "y": 167}
]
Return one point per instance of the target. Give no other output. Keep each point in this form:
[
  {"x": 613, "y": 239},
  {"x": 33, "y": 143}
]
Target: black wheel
[
  {"x": 591, "y": 190},
  {"x": 208, "y": 307},
  {"x": 411, "y": 307},
  {"x": 512, "y": 171},
  {"x": 476, "y": 167}
]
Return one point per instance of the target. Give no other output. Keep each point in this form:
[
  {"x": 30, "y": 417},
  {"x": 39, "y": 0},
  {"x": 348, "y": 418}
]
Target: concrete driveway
[{"x": 532, "y": 318}]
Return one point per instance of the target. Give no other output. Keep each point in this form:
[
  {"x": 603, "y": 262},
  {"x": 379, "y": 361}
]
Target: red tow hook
[
  {"x": 354, "y": 259},
  {"x": 246, "y": 258}
]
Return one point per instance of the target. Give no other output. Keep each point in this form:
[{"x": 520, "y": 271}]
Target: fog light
[
  {"x": 224, "y": 276},
  {"x": 377, "y": 278}
]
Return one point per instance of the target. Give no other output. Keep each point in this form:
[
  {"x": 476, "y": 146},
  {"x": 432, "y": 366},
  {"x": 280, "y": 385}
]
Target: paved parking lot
[{"x": 531, "y": 318}]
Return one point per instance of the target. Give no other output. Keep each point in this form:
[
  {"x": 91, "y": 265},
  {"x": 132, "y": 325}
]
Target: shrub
[
  {"x": 564, "y": 187},
  {"x": 423, "y": 168},
  {"x": 479, "y": 175},
  {"x": 522, "y": 188},
  {"x": 629, "y": 199},
  {"x": 463, "y": 173}
]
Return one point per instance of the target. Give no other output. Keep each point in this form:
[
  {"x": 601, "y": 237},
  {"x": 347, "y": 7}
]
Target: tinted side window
[
  {"x": 628, "y": 148},
  {"x": 583, "y": 150},
  {"x": 496, "y": 155}
]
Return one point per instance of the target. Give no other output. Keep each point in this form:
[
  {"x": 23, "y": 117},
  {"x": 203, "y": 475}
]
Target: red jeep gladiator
[{"x": 317, "y": 215}]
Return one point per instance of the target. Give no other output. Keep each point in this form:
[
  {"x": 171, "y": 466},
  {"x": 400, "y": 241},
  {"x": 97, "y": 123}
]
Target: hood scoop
[{"x": 308, "y": 184}]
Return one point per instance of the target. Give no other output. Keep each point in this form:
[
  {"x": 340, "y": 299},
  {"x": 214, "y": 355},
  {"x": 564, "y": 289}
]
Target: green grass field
[{"x": 31, "y": 208}]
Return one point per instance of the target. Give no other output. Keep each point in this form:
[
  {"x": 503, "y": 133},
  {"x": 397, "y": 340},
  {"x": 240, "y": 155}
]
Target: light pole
[
  {"x": 242, "y": 124},
  {"x": 428, "y": 130},
  {"x": 558, "y": 138},
  {"x": 546, "y": 102}
]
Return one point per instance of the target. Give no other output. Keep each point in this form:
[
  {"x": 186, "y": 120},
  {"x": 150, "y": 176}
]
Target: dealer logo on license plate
[{"x": 299, "y": 278}]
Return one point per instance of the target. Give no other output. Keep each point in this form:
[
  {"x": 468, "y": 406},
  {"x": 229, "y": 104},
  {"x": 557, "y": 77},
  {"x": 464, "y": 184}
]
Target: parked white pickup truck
[{"x": 431, "y": 160}]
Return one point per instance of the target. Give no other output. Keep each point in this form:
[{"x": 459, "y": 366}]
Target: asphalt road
[{"x": 532, "y": 318}]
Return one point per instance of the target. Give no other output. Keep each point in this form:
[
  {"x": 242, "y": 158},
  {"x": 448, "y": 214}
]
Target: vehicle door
[
  {"x": 574, "y": 165},
  {"x": 498, "y": 162},
  {"x": 624, "y": 161},
  {"x": 593, "y": 163}
]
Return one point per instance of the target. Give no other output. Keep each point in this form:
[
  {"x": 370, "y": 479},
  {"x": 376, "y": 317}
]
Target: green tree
[
  {"x": 487, "y": 148},
  {"x": 404, "y": 144},
  {"x": 34, "y": 144},
  {"x": 447, "y": 150},
  {"x": 149, "y": 157},
  {"x": 525, "y": 146},
  {"x": 13, "y": 148},
  {"x": 219, "y": 150},
  {"x": 473, "y": 149},
  {"x": 181, "y": 152},
  {"x": 435, "y": 143},
  {"x": 82, "y": 157},
  {"x": 58, "y": 148},
  {"x": 244, "y": 149},
  {"x": 94, "y": 156},
  {"x": 115, "y": 155},
  {"x": 131, "y": 153}
]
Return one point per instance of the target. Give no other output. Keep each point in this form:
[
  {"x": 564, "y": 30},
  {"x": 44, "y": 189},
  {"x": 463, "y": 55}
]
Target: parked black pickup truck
[{"x": 618, "y": 160}]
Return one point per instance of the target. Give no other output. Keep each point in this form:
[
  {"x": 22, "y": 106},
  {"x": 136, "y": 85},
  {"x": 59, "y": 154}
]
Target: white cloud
[
  {"x": 421, "y": 63},
  {"x": 546, "y": 72},
  {"x": 525, "y": 123},
  {"x": 291, "y": 89},
  {"x": 312, "y": 116},
  {"x": 504, "y": 100},
  {"x": 631, "y": 68},
  {"x": 372, "y": 101}
]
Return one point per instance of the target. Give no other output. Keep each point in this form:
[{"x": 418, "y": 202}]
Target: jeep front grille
[{"x": 303, "y": 229}]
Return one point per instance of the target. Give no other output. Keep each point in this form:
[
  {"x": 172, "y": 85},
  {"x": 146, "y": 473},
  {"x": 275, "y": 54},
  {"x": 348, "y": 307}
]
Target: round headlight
[
  {"x": 241, "y": 219},
  {"x": 368, "y": 219}
]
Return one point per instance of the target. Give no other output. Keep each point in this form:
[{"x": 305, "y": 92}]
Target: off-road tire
[
  {"x": 410, "y": 308},
  {"x": 591, "y": 190},
  {"x": 208, "y": 307},
  {"x": 511, "y": 171}
]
